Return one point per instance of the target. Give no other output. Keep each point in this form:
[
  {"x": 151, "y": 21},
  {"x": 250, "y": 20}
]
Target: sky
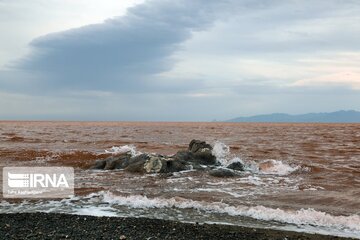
[{"x": 183, "y": 60}]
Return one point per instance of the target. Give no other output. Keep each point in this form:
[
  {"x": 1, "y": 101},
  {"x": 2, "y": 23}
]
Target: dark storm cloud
[{"x": 121, "y": 54}]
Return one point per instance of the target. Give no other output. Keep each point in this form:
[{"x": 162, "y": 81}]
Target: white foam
[
  {"x": 96, "y": 211},
  {"x": 124, "y": 149},
  {"x": 252, "y": 166},
  {"x": 253, "y": 180},
  {"x": 276, "y": 167},
  {"x": 221, "y": 152},
  {"x": 106, "y": 204},
  {"x": 223, "y": 155},
  {"x": 235, "y": 159},
  {"x": 299, "y": 217}
]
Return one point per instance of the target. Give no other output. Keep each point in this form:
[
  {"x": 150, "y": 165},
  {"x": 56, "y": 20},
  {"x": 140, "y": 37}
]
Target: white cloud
[{"x": 343, "y": 79}]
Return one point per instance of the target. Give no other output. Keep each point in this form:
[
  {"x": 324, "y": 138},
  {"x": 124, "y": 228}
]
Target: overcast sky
[{"x": 183, "y": 60}]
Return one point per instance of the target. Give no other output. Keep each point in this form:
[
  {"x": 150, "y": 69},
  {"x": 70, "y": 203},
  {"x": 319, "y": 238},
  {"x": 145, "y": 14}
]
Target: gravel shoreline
[{"x": 65, "y": 226}]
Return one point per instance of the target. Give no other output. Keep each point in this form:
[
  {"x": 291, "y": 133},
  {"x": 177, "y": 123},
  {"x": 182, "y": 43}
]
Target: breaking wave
[
  {"x": 124, "y": 149},
  {"x": 274, "y": 167},
  {"x": 224, "y": 157},
  {"x": 106, "y": 203},
  {"x": 277, "y": 167},
  {"x": 302, "y": 216}
]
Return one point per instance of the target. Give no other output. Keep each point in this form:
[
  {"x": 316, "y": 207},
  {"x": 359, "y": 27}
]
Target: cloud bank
[
  {"x": 195, "y": 60},
  {"x": 122, "y": 54}
]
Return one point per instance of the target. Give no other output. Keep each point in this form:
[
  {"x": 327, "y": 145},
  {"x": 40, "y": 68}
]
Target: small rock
[
  {"x": 173, "y": 165},
  {"x": 236, "y": 166},
  {"x": 154, "y": 165},
  {"x": 99, "y": 164},
  {"x": 198, "y": 146},
  {"x": 204, "y": 156},
  {"x": 222, "y": 172},
  {"x": 136, "y": 164},
  {"x": 117, "y": 162}
]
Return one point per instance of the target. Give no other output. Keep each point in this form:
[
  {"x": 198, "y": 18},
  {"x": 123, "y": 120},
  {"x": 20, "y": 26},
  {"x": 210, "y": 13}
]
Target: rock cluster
[{"x": 198, "y": 156}]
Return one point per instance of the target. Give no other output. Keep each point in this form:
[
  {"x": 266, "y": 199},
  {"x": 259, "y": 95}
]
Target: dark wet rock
[
  {"x": 136, "y": 164},
  {"x": 236, "y": 166},
  {"x": 204, "y": 156},
  {"x": 99, "y": 164},
  {"x": 198, "y": 156},
  {"x": 183, "y": 156},
  {"x": 155, "y": 164},
  {"x": 110, "y": 163},
  {"x": 135, "y": 168},
  {"x": 161, "y": 164},
  {"x": 222, "y": 172},
  {"x": 201, "y": 152},
  {"x": 117, "y": 162},
  {"x": 198, "y": 146},
  {"x": 187, "y": 158},
  {"x": 176, "y": 165}
]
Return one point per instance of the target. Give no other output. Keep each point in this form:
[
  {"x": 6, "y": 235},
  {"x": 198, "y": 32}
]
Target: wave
[
  {"x": 276, "y": 167},
  {"x": 124, "y": 149},
  {"x": 271, "y": 166},
  {"x": 300, "y": 217},
  {"x": 105, "y": 203}
]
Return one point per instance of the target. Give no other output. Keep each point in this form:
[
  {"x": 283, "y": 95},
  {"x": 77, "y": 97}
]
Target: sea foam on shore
[{"x": 108, "y": 204}]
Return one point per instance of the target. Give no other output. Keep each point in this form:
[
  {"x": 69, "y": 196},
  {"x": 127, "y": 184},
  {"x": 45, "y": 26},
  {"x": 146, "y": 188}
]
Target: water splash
[
  {"x": 221, "y": 151},
  {"x": 273, "y": 167},
  {"x": 276, "y": 167},
  {"x": 124, "y": 149}
]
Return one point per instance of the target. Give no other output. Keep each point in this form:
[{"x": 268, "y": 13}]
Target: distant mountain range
[{"x": 350, "y": 116}]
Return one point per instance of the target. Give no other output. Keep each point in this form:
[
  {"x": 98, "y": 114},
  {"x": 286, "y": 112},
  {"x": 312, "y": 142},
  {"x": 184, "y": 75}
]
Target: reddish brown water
[{"x": 317, "y": 166}]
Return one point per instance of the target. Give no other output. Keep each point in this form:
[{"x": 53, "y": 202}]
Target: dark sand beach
[{"x": 65, "y": 226}]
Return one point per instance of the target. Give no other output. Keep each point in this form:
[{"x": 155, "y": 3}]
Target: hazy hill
[{"x": 350, "y": 116}]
